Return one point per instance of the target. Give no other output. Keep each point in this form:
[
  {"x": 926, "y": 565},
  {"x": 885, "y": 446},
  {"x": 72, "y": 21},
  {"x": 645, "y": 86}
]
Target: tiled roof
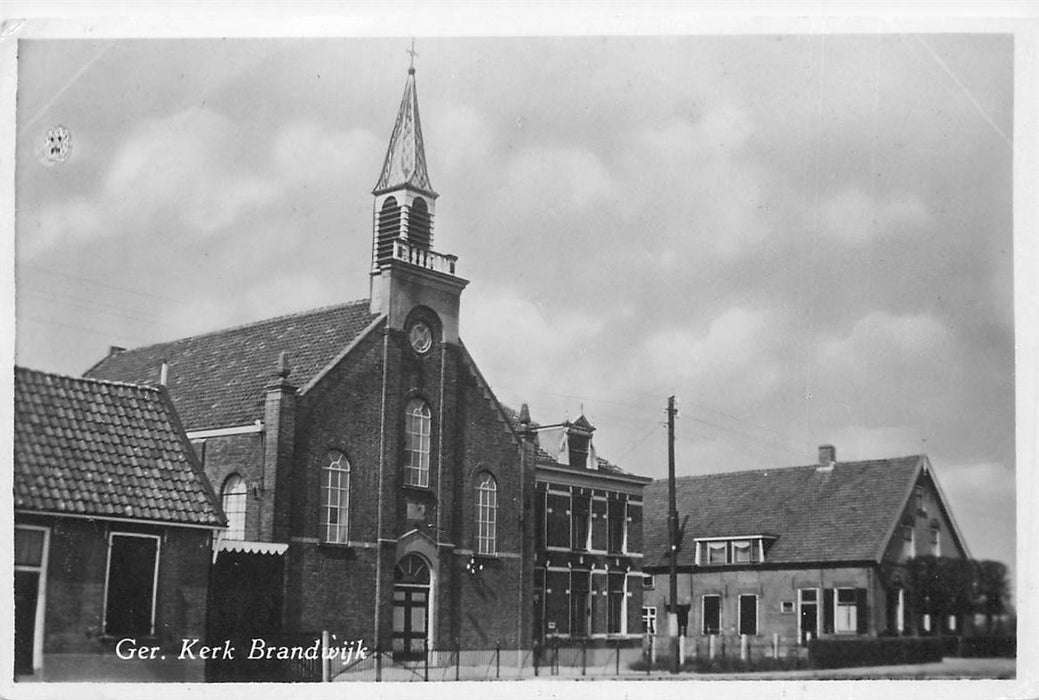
[
  {"x": 842, "y": 514},
  {"x": 97, "y": 448},
  {"x": 216, "y": 380},
  {"x": 405, "y": 162}
]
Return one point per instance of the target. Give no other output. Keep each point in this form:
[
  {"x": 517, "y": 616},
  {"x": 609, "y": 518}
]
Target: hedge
[{"x": 874, "y": 651}]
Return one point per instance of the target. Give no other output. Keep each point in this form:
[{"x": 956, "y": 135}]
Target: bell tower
[{"x": 406, "y": 271}]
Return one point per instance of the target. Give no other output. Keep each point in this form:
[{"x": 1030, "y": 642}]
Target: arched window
[
  {"x": 389, "y": 229},
  {"x": 420, "y": 224},
  {"x": 335, "y": 498},
  {"x": 486, "y": 515},
  {"x": 233, "y": 501},
  {"x": 417, "y": 420}
]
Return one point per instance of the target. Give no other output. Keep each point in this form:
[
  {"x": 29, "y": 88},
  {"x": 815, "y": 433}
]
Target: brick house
[
  {"x": 588, "y": 534},
  {"x": 113, "y": 521},
  {"x": 799, "y": 552},
  {"x": 374, "y": 485}
]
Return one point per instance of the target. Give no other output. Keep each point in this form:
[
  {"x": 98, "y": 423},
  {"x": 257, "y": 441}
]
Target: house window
[
  {"x": 909, "y": 541},
  {"x": 748, "y": 614},
  {"x": 579, "y": 611},
  {"x": 30, "y": 594},
  {"x": 486, "y": 515},
  {"x": 649, "y": 620},
  {"x": 133, "y": 566},
  {"x": 648, "y": 583},
  {"x": 936, "y": 541},
  {"x": 233, "y": 501},
  {"x": 615, "y": 603},
  {"x": 579, "y": 525},
  {"x": 717, "y": 553},
  {"x": 846, "y": 611},
  {"x": 335, "y": 499},
  {"x": 742, "y": 552},
  {"x": 918, "y": 495},
  {"x": 786, "y": 606},
  {"x": 617, "y": 523},
  {"x": 417, "y": 421},
  {"x": 712, "y": 614}
]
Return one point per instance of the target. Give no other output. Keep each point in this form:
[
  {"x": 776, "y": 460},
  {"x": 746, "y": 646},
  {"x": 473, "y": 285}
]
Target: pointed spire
[{"x": 405, "y": 163}]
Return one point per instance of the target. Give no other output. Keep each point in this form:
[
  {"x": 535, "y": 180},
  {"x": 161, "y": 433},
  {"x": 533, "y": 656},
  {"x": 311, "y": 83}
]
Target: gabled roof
[
  {"x": 405, "y": 162},
  {"x": 105, "y": 449},
  {"x": 841, "y": 514},
  {"x": 216, "y": 380}
]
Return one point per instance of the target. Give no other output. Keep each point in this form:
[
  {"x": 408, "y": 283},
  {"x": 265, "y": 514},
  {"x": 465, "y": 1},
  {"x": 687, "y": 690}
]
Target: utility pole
[{"x": 672, "y": 527}]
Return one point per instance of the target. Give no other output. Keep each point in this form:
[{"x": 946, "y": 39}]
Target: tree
[{"x": 992, "y": 590}]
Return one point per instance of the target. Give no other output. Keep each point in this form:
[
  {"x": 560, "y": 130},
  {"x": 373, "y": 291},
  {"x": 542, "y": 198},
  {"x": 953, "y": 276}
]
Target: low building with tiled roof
[
  {"x": 373, "y": 484},
  {"x": 588, "y": 535},
  {"x": 114, "y": 520},
  {"x": 798, "y": 552}
]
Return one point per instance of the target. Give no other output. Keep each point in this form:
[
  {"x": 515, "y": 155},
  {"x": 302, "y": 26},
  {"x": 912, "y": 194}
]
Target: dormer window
[
  {"x": 743, "y": 550},
  {"x": 578, "y": 445}
]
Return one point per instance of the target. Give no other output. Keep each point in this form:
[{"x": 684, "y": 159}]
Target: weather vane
[{"x": 412, "y": 53}]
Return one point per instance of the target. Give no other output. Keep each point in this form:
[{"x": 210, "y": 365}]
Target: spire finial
[{"x": 411, "y": 52}]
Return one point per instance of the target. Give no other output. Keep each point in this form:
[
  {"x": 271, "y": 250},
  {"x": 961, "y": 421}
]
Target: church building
[{"x": 373, "y": 484}]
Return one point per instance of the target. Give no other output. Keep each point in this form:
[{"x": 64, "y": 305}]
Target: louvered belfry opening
[
  {"x": 389, "y": 230},
  {"x": 420, "y": 224}
]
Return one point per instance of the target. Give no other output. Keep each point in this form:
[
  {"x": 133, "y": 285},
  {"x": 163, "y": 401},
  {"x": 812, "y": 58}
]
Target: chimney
[
  {"x": 827, "y": 456},
  {"x": 279, "y": 421},
  {"x": 164, "y": 373}
]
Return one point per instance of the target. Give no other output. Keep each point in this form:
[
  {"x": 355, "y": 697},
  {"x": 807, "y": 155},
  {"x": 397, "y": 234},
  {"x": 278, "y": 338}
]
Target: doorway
[
  {"x": 410, "y": 608},
  {"x": 808, "y": 606}
]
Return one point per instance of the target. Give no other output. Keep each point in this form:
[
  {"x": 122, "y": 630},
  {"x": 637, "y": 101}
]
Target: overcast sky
[{"x": 807, "y": 238}]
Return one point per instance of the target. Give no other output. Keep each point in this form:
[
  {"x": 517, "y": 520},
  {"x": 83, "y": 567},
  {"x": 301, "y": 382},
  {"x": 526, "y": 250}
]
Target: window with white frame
[
  {"x": 30, "y": 594},
  {"x": 711, "y": 609},
  {"x": 936, "y": 541},
  {"x": 648, "y": 583},
  {"x": 233, "y": 499},
  {"x": 742, "y": 552},
  {"x": 845, "y": 617},
  {"x": 909, "y": 540},
  {"x": 133, "y": 565},
  {"x": 748, "y": 613},
  {"x": 417, "y": 423},
  {"x": 649, "y": 619},
  {"x": 717, "y": 553},
  {"x": 335, "y": 499},
  {"x": 486, "y": 515}
]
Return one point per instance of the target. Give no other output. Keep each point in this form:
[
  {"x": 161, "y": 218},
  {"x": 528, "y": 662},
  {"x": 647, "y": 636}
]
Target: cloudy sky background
[{"x": 807, "y": 238}]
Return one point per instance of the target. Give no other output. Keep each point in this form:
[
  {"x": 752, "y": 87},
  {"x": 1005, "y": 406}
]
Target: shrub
[{"x": 874, "y": 651}]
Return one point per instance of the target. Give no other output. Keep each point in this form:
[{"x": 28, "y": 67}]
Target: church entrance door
[{"x": 410, "y": 607}]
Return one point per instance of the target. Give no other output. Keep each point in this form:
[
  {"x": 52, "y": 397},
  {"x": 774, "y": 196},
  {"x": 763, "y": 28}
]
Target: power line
[{"x": 92, "y": 281}]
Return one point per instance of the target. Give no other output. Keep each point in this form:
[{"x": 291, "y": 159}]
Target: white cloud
[
  {"x": 891, "y": 344},
  {"x": 853, "y": 216},
  {"x": 735, "y": 361},
  {"x": 557, "y": 177}
]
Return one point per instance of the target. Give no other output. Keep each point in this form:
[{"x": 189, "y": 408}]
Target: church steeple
[
  {"x": 406, "y": 271},
  {"x": 405, "y": 163}
]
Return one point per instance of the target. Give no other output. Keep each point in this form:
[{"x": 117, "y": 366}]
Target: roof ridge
[
  {"x": 154, "y": 388},
  {"x": 250, "y": 324},
  {"x": 798, "y": 466}
]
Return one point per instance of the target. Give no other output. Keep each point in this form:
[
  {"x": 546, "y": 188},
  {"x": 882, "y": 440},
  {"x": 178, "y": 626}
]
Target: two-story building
[{"x": 588, "y": 538}]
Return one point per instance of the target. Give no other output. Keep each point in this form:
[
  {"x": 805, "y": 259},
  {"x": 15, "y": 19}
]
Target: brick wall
[{"x": 76, "y": 569}]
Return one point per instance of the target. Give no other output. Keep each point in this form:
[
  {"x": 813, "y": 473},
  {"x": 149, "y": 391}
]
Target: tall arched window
[
  {"x": 389, "y": 229},
  {"x": 417, "y": 421},
  {"x": 420, "y": 224},
  {"x": 335, "y": 499},
  {"x": 486, "y": 515},
  {"x": 233, "y": 501}
]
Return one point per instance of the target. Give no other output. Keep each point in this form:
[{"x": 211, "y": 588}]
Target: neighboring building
[
  {"x": 114, "y": 523},
  {"x": 374, "y": 485},
  {"x": 588, "y": 525},
  {"x": 800, "y": 552}
]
